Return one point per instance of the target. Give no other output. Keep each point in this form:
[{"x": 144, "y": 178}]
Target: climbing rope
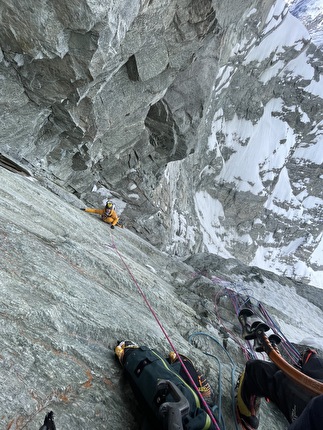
[
  {"x": 243, "y": 299},
  {"x": 233, "y": 379},
  {"x": 206, "y": 407},
  {"x": 289, "y": 349},
  {"x": 245, "y": 346}
]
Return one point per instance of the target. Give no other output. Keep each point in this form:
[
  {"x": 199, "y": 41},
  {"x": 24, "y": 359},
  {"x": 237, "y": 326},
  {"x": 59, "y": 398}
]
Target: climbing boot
[
  {"x": 119, "y": 350},
  {"x": 205, "y": 389},
  {"x": 247, "y": 409}
]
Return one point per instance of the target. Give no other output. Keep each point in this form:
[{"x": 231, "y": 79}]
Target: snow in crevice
[
  {"x": 262, "y": 152},
  {"x": 257, "y": 149}
]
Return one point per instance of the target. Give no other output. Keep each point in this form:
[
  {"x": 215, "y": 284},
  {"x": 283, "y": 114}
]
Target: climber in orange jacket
[{"x": 108, "y": 214}]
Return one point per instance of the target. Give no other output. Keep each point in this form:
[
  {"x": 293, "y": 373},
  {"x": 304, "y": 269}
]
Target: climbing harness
[{"x": 262, "y": 343}]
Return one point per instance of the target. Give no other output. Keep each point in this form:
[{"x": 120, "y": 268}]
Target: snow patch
[{"x": 290, "y": 32}]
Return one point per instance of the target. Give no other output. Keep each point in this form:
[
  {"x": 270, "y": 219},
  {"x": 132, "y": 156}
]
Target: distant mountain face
[
  {"x": 255, "y": 177},
  {"x": 203, "y": 125},
  {"x": 310, "y": 12}
]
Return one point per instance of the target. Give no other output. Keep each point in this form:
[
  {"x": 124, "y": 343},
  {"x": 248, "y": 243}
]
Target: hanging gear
[
  {"x": 164, "y": 404},
  {"x": 294, "y": 385},
  {"x": 202, "y": 384},
  {"x": 269, "y": 345}
]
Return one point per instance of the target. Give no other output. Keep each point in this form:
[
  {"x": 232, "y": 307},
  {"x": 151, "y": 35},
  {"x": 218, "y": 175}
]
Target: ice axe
[
  {"x": 273, "y": 338},
  {"x": 254, "y": 328},
  {"x": 269, "y": 345},
  {"x": 48, "y": 422}
]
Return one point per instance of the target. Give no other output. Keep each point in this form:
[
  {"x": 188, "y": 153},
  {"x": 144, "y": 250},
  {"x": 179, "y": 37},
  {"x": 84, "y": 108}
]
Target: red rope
[{"x": 208, "y": 410}]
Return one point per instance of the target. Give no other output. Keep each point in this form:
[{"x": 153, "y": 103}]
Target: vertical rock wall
[
  {"x": 126, "y": 97},
  {"x": 87, "y": 78}
]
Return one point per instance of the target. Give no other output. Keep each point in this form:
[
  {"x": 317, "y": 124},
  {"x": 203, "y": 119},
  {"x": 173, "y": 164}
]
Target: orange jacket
[{"x": 111, "y": 218}]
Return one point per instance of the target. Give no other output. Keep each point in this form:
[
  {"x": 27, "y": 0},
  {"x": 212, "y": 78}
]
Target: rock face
[
  {"x": 71, "y": 287},
  {"x": 166, "y": 105}
]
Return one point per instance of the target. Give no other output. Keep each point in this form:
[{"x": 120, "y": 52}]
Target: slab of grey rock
[{"x": 68, "y": 294}]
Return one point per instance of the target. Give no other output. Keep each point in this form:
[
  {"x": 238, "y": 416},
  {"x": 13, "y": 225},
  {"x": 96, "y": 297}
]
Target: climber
[
  {"x": 264, "y": 379},
  {"x": 312, "y": 416},
  {"x": 164, "y": 389},
  {"x": 108, "y": 214}
]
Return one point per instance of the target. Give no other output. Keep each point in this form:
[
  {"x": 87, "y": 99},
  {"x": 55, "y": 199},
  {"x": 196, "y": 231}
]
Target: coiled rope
[{"x": 233, "y": 379}]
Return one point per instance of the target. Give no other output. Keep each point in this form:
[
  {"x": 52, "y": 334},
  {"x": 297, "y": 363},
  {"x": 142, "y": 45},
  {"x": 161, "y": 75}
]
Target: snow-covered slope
[
  {"x": 310, "y": 12},
  {"x": 258, "y": 188}
]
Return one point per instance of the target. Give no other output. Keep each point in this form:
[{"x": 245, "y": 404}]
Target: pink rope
[
  {"x": 208, "y": 410},
  {"x": 230, "y": 332}
]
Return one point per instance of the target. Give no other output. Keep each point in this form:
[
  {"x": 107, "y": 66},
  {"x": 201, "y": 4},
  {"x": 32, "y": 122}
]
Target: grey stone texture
[
  {"x": 122, "y": 95},
  {"x": 71, "y": 288}
]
